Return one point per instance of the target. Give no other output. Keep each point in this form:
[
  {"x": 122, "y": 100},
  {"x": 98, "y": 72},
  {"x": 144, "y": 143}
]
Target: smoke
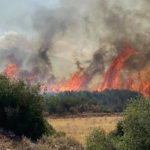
[
  {"x": 101, "y": 28},
  {"x": 118, "y": 25},
  {"x": 49, "y": 24},
  {"x": 129, "y": 26},
  {"x": 16, "y": 48},
  {"x": 108, "y": 27}
]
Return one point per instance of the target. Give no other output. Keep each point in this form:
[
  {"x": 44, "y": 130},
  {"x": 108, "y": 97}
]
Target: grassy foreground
[{"x": 79, "y": 128}]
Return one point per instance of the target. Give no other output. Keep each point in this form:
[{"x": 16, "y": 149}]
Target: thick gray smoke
[
  {"x": 49, "y": 24},
  {"x": 98, "y": 27},
  {"x": 97, "y": 23},
  {"x": 119, "y": 24}
]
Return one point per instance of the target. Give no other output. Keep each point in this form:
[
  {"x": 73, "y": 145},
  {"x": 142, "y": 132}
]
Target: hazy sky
[{"x": 15, "y": 15}]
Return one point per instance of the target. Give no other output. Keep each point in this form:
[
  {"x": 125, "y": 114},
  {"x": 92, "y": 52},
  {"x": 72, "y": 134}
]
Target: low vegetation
[
  {"x": 44, "y": 143},
  {"x": 51, "y": 143}
]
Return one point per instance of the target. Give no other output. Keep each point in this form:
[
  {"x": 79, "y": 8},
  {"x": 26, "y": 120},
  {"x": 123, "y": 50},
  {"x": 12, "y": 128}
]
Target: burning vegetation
[
  {"x": 105, "y": 26},
  {"x": 112, "y": 78}
]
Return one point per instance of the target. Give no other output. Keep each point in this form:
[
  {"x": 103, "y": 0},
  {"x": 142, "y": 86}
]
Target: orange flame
[
  {"x": 112, "y": 75},
  {"x": 11, "y": 70},
  {"x": 135, "y": 81},
  {"x": 73, "y": 84},
  {"x": 43, "y": 88},
  {"x": 138, "y": 81},
  {"x": 144, "y": 85}
]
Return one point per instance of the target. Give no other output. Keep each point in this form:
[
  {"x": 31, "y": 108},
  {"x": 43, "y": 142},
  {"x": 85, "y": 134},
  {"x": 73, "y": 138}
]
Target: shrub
[
  {"x": 116, "y": 137},
  {"x": 136, "y": 125},
  {"x": 21, "y": 110},
  {"x": 133, "y": 132},
  {"x": 118, "y": 131},
  {"x": 98, "y": 140}
]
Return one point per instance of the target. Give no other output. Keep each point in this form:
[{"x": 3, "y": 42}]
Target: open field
[
  {"x": 79, "y": 128},
  {"x": 74, "y": 126}
]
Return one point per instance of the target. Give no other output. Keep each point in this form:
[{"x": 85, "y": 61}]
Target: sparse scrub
[{"x": 51, "y": 143}]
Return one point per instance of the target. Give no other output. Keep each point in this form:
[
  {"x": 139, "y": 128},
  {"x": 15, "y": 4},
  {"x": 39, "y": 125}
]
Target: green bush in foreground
[
  {"x": 21, "y": 109},
  {"x": 132, "y": 132},
  {"x": 98, "y": 140},
  {"x": 136, "y": 125}
]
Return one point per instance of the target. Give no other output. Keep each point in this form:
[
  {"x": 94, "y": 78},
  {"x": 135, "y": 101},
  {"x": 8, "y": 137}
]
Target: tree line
[{"x": 107, "y": 101}]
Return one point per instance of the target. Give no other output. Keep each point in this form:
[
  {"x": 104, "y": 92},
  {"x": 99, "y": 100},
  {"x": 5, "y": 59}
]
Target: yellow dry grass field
[{"x": 79, "y": 128}]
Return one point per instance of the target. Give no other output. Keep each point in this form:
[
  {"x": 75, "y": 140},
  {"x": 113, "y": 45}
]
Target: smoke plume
[{"x": 101, "y": 28}]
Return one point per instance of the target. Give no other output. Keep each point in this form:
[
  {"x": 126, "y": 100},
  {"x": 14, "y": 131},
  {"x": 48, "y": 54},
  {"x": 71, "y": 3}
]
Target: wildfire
[
  {"x": 144, "y": 82},
  {"x": 73, "y": 84},
  {"x": 138, "y": 81},
  {"x": 112, "y": 75},
  {"x": 112, "y": 79},
  {"x": 43, "y": 88},
  {"x": 11, "y": 70}
]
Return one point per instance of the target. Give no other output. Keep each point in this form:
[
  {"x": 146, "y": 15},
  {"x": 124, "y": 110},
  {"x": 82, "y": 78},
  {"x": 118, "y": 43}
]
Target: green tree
[
  {"x": 136, "y": 125},
  {"x": 21, "y": 109}
]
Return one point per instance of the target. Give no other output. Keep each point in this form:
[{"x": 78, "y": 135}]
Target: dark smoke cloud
[
  {"x": 120, "y": 26},
  {"x": 130, "y": 27},
  {"x": 102, "y": 27},
  {"x": 49, "y": 24},
  {"x": 109, "y": 26}
]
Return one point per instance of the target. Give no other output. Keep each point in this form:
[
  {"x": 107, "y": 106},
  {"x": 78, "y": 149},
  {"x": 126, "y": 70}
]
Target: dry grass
[
  {"x": 79, "y": 128},
  {"x": 7, "y": 143}
]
